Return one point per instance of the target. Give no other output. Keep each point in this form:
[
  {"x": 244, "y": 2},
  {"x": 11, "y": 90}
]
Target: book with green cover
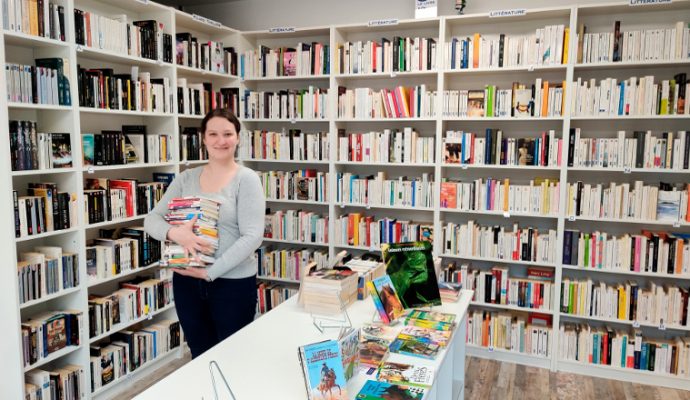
[
  {"x": 373, "y": 390},
  {"x": 406, "y": 374},
  {"x": 415, "y": 348},
  {"x": 411, "y": 269}
]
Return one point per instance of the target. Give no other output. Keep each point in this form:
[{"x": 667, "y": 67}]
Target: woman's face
[{"x": 221, "y": 139}]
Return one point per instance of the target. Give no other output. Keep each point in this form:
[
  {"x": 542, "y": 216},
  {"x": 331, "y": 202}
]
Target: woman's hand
[
  {"x": 200, "y": 273},
  {"x": 184, "y": 236}
]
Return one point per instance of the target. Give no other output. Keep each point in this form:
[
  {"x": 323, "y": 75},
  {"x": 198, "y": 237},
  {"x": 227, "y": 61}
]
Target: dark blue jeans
[{"x": 209, "y": 312}]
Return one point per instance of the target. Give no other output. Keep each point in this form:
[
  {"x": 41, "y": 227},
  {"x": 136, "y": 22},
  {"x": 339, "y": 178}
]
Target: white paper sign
[
  {"x": 282, "y": 29},
  {"x": 647, "y": 2},
  {"x": 507, "y": 13},
  {"x": 425, "y": 8},
  {"x": 383, "y": 22}
]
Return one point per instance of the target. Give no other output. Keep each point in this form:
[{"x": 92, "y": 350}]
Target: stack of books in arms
[
  {"x": 181, "y": 210},
  {"x": 328, "y": 291}
]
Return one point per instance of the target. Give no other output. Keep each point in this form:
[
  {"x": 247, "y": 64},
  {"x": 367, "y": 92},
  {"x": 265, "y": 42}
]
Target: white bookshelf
[{"x": 18, "y": 47}]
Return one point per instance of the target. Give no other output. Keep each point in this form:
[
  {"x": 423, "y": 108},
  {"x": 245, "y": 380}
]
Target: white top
[{"x": 260, "y": 361}]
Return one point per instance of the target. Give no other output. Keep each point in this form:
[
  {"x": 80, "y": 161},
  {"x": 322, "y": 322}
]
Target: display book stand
[
  {"x": 597, "y": 18},
  {"x": 18, "y": 47}
]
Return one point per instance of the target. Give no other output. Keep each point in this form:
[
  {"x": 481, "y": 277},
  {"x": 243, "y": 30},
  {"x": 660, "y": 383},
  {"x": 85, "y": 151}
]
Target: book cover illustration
[
  {"x": 349, "y": 343},
  {"x": 88, "y": 148},
  {"x": 415, "y": 348},
  {"x": 452, "y": 151},
  {"x": 377, "y": 303},
  {"x": 389, "y": 297},
  {"x": 406, "y": 374},
  {"x": 523, "y": 103},
  {"x": 439, "y": 337},
  {"x": 61, "y": 152},
  {"x": 411, "y": 269},
  {"x": 475, "y": 103},
  {"x": 430, "y": 320},
  {"x": 373, "y": 390},
  {"x": 322, "y": 366},
  {"x": 373, "y": 350},
  {"x": 668, "y": 206},
  {"x": 379, "y": 331}
]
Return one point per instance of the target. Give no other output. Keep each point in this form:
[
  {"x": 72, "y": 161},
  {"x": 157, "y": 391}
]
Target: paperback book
[
  {"x": 412, "y": 332},
  {"x": 385, "y": 298},
  {"x": 430, "y": 319},
  {"x": 322, "y": 367},
  {"x": 416, "y": 348},
  {"x": 348, "y": 341},
  {"x": 411, "y": 269},
  {"x": 406, "y": 374},
  {"x": 374, "y": 390},
  {"x": 180, "y": 211}
]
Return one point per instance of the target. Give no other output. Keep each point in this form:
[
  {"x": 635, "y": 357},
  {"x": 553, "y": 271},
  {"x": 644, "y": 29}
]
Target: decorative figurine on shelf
[{"x": 460, "y": 6}]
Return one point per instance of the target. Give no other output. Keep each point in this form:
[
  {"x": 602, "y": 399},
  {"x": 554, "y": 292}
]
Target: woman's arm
[{"x": 251, "y": 208}]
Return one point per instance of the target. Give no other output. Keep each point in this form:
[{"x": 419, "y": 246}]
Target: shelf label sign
[
  {"x": 647, "y": 2},
  {"x": 282, "y": 29},
  {"x": 383, "y": 22},
  {"x": 508, "y": 13},
  {"x": 425, "y": 8}
]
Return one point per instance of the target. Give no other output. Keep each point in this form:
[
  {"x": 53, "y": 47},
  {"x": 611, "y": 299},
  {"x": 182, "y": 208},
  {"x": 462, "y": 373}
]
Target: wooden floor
[{"x": 487, "y": 379}]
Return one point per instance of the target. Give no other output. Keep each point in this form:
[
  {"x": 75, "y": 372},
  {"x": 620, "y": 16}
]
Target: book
[
  {"x": 348, "y": 340},
  {"x": 322, "y": 367},
  {"x": 389, "y": 300},
  {"x": 668, "y": 205},
  {"x": 406, "y": 374},
  {"x": 372, "y": 351},
  {"x": 475, "y": 103},
  {"x": 379, "y": 331},
  {"x": 88, "y": 147},
  {"x": 427, "y": 335},
  {"x": 411, "y": 269},
  {"x": 416, "y": 348},
  {"x": 373, "y": 390},
  {"x": 61, "y": 152}
]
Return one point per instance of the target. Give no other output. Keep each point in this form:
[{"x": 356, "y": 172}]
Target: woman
[{"x": 214, "y": 302}]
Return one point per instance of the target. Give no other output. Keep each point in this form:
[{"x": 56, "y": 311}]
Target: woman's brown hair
[{"x": 222, "y": 113}]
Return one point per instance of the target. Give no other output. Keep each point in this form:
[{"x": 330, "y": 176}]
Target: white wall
[{"x": 262, "y": 14}]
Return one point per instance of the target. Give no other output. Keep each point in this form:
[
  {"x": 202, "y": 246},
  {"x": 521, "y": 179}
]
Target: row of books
[
  {"x": 208, "y": 56},
  {"x": 305, "y": 185},
  {"x": 399, "y": 54},
  {"x": 296, "y": 225},
  {"x": 379, "y": 190},
  {"x": 200, "y": 98},
  {"x": 270, "y": 296},
  {"x": 293, "y": 145},
  {"x": 43, "y": 210},
  {"x": 135, "y": 91},
  {"x": 624, "y": 349},
  {"x": 40, "y": 18},
  {"x": 541, "y": 196},
  {"x": 356, "y": 229},
  {"x": 145, "y": 38},
  {"x": 509, "y": 332},
  {"x": 46, "y": 270},
  {"x": 661, "y": 305},
  {"x": 129, "y": 350},
  {"x": 650, "y": 252},
  {"x": 522, "y": 244},
  {"x": 31, "y": 150},
  {"x": 642, "y": 150},
  {"x": 542, "y": 99},
  {"x": 470, "y": 148},
  {"x": 132, "y": 249},
  {"x": 628, "y": 201},
  {"x": 388, "y": 146},
  {"x": 192, "y": 146},
  {"x": 634, "y": 45},
  {"x": 205, "y": 212},
  {"x": 66, "y": 382},
  {"x": 134, "y": 300},
  {"x": 39, "y": 84},
  {"x": 47, "y": 332},
  {"x": 114, "y": 199},
  {"x": 496, "y": 286},
  {"x": 399, "y": 102},
  {"x": 309, "y": 103},
  {"x": 288, "y": 263},
  {"x": 633, "y": 96},
  {"x": 305, "y": 59},
  {"x": 131, "y": 145},
  {"x": 546, "y": 46}
]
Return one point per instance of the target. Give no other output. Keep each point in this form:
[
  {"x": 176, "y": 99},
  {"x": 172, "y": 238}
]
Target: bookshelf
[{"x": 19, "y": 47}]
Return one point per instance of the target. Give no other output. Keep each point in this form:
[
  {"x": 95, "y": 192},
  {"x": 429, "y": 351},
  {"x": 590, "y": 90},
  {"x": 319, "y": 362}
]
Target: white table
[{"x": 260, "y": 361}]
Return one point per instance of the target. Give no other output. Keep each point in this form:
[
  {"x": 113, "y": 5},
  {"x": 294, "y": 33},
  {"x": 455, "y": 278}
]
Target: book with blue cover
[
  {"x": 322, "y": 366},
  {"x": 374, "y": 390}
]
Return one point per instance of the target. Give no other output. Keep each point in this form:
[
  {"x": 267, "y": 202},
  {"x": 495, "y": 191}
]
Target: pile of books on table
[{"x": 328, "y": 291}]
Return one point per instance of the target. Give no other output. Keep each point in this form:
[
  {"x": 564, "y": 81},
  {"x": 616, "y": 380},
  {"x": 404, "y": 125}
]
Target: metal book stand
[
  {"x": 340, "y": 320},
  {"x": 211, "y": 364}
]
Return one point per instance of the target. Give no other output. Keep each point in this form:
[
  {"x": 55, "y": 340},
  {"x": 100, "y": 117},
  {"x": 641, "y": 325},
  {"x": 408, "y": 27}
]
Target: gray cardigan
[{"x": 241, "y": 223}]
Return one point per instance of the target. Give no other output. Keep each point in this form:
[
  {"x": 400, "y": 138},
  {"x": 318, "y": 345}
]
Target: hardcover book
[
  {"x": 322, "y": 367},
  {"x": 411, "y": 269},
  {"x": 373, "y": 390}
]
